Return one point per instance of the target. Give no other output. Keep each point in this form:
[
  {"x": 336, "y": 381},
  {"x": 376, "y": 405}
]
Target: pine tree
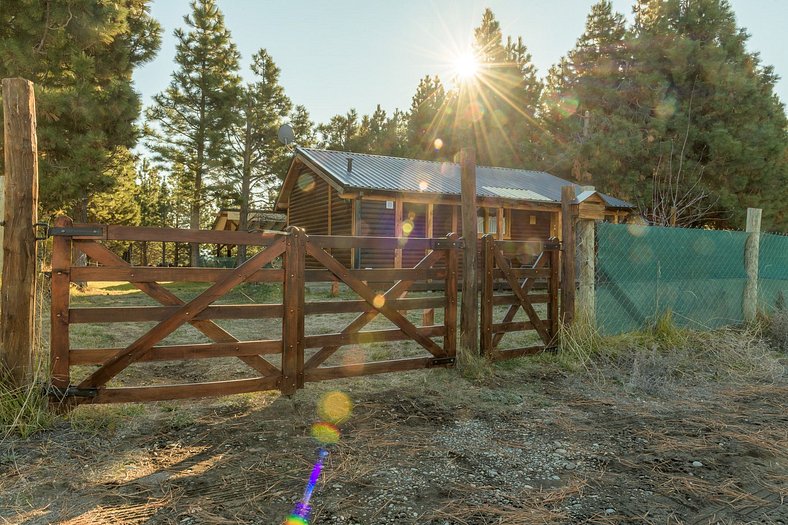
[
  {"x": 80, "y": 55},
  {"x": 259, "y": 156},
  {"x": 303, "y": 129},
  {"x": 194, "y": 114},
  {"x": 428, "y": 121}
]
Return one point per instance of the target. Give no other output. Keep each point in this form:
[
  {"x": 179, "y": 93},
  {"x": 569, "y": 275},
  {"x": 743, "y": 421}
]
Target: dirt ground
[{"x": 532, "y": 442}]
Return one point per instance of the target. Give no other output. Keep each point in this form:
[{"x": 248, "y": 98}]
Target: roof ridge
[{"x": 422, "y": 160}]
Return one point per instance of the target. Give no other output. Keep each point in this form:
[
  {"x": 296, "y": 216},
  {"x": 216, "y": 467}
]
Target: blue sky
[{"x": 351, "y": 53}]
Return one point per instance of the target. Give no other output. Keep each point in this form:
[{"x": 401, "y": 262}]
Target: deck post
[
  {"x": 751, "y": 255},
  {"x": 568, "y": 244},
  {"x": 469, "y": 340},
  {"x": 17, "y": 307}
]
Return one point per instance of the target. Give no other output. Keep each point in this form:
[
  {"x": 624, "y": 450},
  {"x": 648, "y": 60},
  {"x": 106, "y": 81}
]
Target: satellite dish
[{"x": 286, "y": 135}]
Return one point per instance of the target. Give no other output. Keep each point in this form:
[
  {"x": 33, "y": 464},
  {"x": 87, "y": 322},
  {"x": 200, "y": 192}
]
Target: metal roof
[{"x": 377, "y": 172}]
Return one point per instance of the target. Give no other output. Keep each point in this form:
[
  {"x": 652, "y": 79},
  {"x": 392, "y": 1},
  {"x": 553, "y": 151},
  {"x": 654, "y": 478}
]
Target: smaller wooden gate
[{"x": 521, "y": 275}]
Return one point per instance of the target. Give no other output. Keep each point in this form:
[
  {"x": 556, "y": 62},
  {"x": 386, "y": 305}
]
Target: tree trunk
[
  {"x": 246, "y": 183},
  {"x": 194, "y": 218}
]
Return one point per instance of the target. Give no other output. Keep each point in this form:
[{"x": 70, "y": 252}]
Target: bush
[
  {"x": 23, "y": 410},
  {"x": 777, "y": 330}
]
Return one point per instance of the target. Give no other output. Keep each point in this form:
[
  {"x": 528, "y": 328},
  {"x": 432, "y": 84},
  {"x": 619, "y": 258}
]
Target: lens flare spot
[
  {"x": 306, "y": 182},
  {"x": 296, "y": 520},
  {"x": 637, "y": 230},
  {"x": 335, "y": 407},
  {"x": 423, "y": 185},
  {"x": 378, "y": 301},
  {"x": 407, "y": 227},
  {"x": 325, "y": 433},
  {"x": 437, "y": 144}
]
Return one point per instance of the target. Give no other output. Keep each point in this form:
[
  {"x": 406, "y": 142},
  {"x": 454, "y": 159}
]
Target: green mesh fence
[
  {"x": 773, "y": 272},
  {"x": 644, "y": 271}
]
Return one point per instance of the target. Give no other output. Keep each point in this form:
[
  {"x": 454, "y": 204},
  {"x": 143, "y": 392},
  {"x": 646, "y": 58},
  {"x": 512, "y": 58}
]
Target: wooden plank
[
  {"x": 368, "y": 295},
  {"x": 450, "y": 308},
  {"x": 373, "y": 336},
  {"x": 568, "y": 254},
  {"x": 136, "y": 274},
  {"x": 185, "y": 391},
  {"x": 488, "y": 271},
  {"x": 499, "y": 224},
  {"x": 59, "y": 307},
  {"x": 501, "y": 355},
  {"x": 184, "y": 314},
  {"x": 520, "y": 273},
  {"x": 293, "y": 318},
  {"x": 379, "y": 367},
  {"x": 553, "y": 293},
  {"x": 396, "y": 291},
  {"x": 513, "y": 326},
  {"x": 469, "y": 340},
  {"x": 98, "y": 356},
  {"x": 17, "y": 306},
  {"x": 525, "y": 288},
  {"x": 143, "y": 233},
  {"x": 157, "y": 313},
  {"x": 428, "y": 316},
  {"x": 525, "y": 248},
  {"x": 499, "y": 300},
  {"x": 377, "y": 243},
  {"x": 523, "y": 298},
  {"x": 398, "y": 231}
]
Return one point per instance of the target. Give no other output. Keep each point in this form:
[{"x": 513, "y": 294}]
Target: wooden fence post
[
  {"x": 17, "y": 307},
  {"x": 450, "y": 311},
  {"x": 488, "y": 267},
  {"x": 293, "y": 312},
  {"x": 555, "y": 275},
  {"x": 469, "y": 341},
  {"x": 751, "y": 256},
  {"x": 568, "y": 244},
  {"x": 59, "y": 343},
  {"x": 586, "y": 251}
]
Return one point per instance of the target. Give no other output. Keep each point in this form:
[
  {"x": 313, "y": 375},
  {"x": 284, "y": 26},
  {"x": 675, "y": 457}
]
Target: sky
[{"x": 347, "y": 54}]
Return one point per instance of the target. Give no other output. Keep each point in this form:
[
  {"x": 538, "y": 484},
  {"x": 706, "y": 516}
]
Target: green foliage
[
  {"x": 80, "y": 54},
  {"x": 194, "y": 115},
  {"x": 24, "y": 410}
]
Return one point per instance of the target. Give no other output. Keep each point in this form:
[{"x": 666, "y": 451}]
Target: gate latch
[{"x": 79, "y": 231}]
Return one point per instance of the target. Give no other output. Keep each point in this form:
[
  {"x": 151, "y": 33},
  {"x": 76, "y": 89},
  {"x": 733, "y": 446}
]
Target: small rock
[
  {"x": 697, "y": 464},
  {"x": 610, "y": 511},
  {"x": 570, "y": 466},
  {"x": 560, "y": 451}
]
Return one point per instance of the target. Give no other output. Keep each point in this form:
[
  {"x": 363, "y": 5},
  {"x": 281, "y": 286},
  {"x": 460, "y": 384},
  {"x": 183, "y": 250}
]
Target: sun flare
[{"x": 466, "y": 66}]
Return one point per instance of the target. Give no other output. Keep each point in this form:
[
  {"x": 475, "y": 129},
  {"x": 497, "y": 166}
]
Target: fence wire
[
  {"x": 642, "y": 272},
  {"x": 773, "y": 272}
]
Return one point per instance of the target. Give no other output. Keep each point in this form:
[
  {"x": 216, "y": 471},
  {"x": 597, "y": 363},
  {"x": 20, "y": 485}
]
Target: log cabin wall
[
  {"x": 376, "y": 221},
  {"x": 522, "y": 229},
  {"x": 308, "y": 207},
  {"x": 341, "y": 224},
  {"x": 415, "y": 215}
]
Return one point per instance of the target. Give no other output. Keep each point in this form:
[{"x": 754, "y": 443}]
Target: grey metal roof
[{"x": 377, "y": 172}]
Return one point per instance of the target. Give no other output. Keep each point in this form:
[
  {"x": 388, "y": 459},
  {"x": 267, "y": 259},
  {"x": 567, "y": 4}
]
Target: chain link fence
[
  {"x": 642, "y": 272},
  {"x": 773, "y": 272}
]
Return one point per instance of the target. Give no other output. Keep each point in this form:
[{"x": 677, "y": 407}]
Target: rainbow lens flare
[{"x": 325, "y": 433}]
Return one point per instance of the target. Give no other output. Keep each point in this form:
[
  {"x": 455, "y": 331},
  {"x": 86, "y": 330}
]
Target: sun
[{"x": 466, "y": 66}]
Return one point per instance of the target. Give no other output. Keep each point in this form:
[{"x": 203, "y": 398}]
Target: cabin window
[{"x": 487, "y": 221}]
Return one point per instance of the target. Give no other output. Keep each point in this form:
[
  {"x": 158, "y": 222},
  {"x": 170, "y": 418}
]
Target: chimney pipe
[{"x": 349, "y": 164}]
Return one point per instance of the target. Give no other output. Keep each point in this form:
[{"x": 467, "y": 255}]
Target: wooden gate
[
  {"x": 262, "y": 355},
  {"x": 525, "y": 276}
]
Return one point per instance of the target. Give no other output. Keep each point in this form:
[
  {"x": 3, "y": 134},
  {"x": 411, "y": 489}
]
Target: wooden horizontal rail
[
  {"x": 155, "y": 234},
  {"x": 383, "y": 243},
  {"x": 376, "y": 336},
  {"x": 185, "y": 391},
  {"x": 144, "y": 274},
  {"x": 500, "y": 355},
  {"x": 379, "y": 367},
  {"x": 97, "y": 356},
  {"x": 522, "y": 272},
  {"x": 502, "y": 328},
  {"x": 138, "y": 314},
  {"x": 512, "y": 299}
]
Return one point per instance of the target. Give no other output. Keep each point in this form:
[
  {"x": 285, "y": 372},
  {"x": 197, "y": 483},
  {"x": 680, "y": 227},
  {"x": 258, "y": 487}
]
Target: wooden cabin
[{"x": 342, "y": 193}]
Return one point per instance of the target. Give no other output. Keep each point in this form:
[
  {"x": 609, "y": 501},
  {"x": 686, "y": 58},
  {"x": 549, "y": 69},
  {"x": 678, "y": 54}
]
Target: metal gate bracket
[
  {"x": 80, "y": 231},
  {"x": 71, "y": 391}
]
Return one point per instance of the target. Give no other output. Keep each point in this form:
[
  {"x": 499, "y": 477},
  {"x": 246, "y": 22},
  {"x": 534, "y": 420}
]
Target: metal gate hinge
[
  {"x": 443, "y": 361},
  {"x": 41, "y": 226},
  {"x": 82, "y": 231},
  {"x": 71, "y": 391}
]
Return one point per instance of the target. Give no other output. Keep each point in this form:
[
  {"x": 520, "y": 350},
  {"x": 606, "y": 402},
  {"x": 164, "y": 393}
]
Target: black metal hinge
[
  {"x": 438, "y": 361},
  {"x": 70, "y": 391},
  {"x": 81, "y": 231}
]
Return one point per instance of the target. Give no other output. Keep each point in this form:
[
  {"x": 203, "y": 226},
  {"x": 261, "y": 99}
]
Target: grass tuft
[{"x": 24, "y": 410}]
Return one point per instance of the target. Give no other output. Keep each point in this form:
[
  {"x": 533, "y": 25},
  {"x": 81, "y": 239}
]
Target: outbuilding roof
[{"x": 360, "y": 171}]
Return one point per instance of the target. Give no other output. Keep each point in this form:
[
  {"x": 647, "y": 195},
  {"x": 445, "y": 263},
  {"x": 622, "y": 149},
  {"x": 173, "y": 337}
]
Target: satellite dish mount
[{"x": 286, "y": 134}]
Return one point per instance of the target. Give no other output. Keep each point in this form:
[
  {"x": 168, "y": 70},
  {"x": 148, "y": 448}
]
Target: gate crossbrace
[
  {"x": 165, "y": 297},
  {"x": 366, "y": 293},
  {"x": 528, "y": 283},
  {"x": 503, "y": 264},
  {"x": 184, "y": 314}
]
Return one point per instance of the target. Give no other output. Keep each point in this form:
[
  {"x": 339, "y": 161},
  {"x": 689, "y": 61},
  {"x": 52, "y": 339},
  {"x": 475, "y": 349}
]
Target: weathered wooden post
[
  {"x": 586, "y": 272},
  {"x": 751, "y": 255},
  {"x": 469, "y": 340},
  {"x": 293, "y": 312},
  {"x": 17, "y": 306},
  {"x": 568, "y": 243}
]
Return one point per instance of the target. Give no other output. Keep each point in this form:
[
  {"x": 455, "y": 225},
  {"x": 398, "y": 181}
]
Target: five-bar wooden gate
[{"x": 280, "y": 363}]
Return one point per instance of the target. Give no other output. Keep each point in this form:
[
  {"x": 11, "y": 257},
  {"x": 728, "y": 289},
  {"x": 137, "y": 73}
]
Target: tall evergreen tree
[
  {"x": 194, "y": 114},
  {"x": 428, "y": 120},
  {"x": 259, "y": 156},
  {"x": 81, "y": 55},
  {"x": 303, "y": 129}
]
